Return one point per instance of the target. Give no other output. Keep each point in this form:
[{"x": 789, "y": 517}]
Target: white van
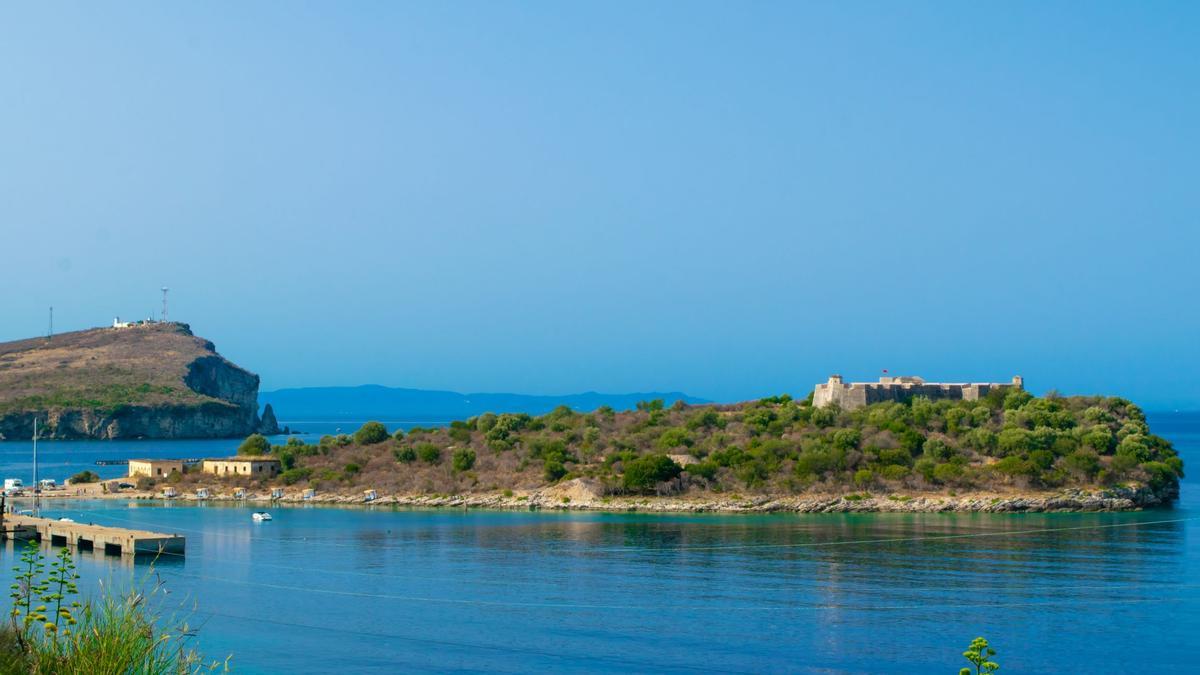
[{"x": 12, "y": 485}]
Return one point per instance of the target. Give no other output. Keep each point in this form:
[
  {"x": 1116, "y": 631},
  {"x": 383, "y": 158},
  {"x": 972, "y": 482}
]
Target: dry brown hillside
[{"x": 154, "y": 380}]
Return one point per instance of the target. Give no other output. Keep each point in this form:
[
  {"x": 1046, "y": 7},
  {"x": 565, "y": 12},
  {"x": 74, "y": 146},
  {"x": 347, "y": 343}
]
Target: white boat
[{"x": 260, "y": 516}]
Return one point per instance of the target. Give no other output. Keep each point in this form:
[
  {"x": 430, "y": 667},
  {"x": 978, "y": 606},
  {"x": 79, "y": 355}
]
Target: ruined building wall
[{"x": 859, "y": 394}]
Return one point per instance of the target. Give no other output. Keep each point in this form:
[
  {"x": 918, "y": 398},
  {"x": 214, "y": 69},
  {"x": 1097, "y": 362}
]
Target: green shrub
[
  {"x": 351, "y": 468},
  {"x": 706, "y": 418},
  {"x": 983, "y": 440},
  {"x": 1121, "y": 465},
  {"x": 1136, "y": 447},
  {"x": 287, "y": 459},
  {"x": 1043, "y": 459},
  {"x": 675, "y": 437},
  {"x": 753, "y": 472},
  {"x": 938, "y": 450},
  {"x": 759, "y": 419},
  {"x": 847, "y": 439},
  {"x": 912, "y": 441},
  {"x": 405, "y": 454},
  {"x": 1014, "y": 441},
  {"x": 650, "y": 406},
  {"x": 1100, "y": 439},
  {"x": 371, "y": 433},
  {"x": 85, "y": 477},
  {"x": 553, "y": 470},
  {"x": 817, "y": 459},
  {"x": 1015, "y": 466},
  {"x": 706, "y": 469},
  {"x": 895, "y": 456},
  {"x": 1083, "y": 462},
  {"x": 645, "y": 472},
  {"x": 293, "y": 476},
  {"x": 1016, "y": 398},
  {"x": 1159, "y": 475},
  {"x": 948, "y": 473},
  {"x": 925, "y": 468},
  {"x": 463, "y": 459},
  {"x": 429, "y": 453},
  {"x": 485, "y": 422},
  {"x": 255, "y": 444}
]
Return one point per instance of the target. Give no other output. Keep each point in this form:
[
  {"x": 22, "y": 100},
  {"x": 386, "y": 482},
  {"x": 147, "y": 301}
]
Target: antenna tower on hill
[{"x": 164, "y": 314}]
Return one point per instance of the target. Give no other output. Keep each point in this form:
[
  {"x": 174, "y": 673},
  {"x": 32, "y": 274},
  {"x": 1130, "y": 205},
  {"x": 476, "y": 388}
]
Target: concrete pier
[{"x": 112, "y": 540}]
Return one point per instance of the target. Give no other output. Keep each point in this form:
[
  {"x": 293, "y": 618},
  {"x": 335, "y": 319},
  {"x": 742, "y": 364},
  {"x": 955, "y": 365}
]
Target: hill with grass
[
  {"x": 1009, "y": 443},
  {"x": 152, "y": 380}
]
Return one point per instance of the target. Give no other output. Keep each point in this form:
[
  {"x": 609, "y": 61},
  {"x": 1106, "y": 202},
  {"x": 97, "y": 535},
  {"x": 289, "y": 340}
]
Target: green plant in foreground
[
  {"x": 980, "y": 654},
  {"x": 114, "y": 634}
]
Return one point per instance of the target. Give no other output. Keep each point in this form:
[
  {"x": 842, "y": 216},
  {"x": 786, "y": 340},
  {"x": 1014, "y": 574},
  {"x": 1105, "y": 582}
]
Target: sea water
[{"x": 364, "y": 589}]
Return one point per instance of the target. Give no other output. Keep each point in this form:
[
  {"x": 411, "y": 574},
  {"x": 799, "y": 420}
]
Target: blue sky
[{"x": 730, "y": 199}]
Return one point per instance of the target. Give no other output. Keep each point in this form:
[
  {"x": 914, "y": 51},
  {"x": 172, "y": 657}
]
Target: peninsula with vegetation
[
  {"x": 133, "y": 380},
  {"x": 902, "y": 445}
]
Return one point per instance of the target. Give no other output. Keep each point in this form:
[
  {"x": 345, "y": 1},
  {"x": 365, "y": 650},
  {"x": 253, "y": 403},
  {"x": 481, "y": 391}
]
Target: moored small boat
[{"x": 260, "y": 516}]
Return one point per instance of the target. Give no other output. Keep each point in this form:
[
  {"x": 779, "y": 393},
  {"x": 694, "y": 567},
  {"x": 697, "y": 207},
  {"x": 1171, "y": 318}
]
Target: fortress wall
[{"x": 859, "y": 394}]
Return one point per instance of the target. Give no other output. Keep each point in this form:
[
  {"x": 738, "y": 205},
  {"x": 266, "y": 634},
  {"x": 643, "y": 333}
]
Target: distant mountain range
[{"x": 375, "y": 401}]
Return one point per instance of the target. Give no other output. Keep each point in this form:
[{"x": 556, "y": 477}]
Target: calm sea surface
[{"x": 380, "y": 590}]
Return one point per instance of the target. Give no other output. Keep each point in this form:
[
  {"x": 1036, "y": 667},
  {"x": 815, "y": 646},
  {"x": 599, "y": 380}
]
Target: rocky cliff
[{"x": 145, "y": 381}]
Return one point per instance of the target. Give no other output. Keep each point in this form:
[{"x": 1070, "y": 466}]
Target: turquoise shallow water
[{"x": 382, "y": 590}]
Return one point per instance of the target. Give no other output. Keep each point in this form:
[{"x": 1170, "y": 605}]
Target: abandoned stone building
[{"x": 858, "y": 394}]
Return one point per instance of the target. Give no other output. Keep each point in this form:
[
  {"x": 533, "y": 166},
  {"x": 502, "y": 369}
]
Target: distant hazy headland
[{"x": 378, "y": 402}]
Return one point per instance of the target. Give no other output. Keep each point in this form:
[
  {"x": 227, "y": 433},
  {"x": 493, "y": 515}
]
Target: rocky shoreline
[{"x": 578, "y": 495}]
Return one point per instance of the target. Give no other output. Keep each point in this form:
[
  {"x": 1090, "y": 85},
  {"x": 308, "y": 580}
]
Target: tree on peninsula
[
  {"x": 371, "y": 433},
  {"x": 255, "y": 444}
]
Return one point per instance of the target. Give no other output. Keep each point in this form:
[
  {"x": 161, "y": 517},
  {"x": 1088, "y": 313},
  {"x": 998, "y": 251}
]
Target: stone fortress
[{"x": 859, "y": 394}]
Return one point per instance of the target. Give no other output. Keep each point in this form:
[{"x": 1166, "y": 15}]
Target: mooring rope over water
[{"x": 658, "y": 607}]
